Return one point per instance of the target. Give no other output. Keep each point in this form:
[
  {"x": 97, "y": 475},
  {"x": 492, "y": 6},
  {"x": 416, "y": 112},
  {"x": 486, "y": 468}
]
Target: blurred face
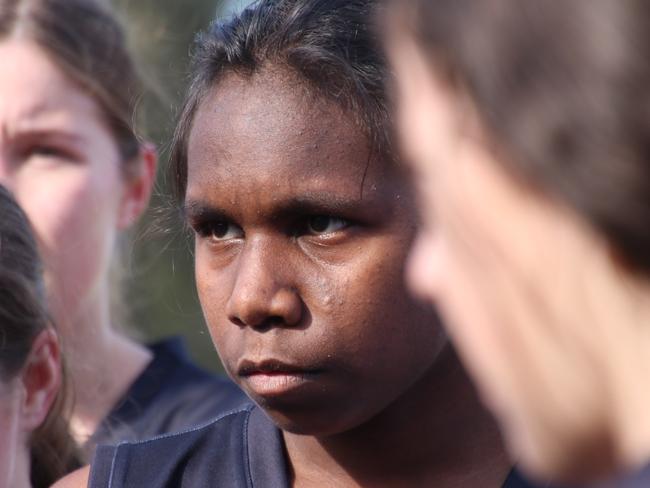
[
  {"x": 512, "y": 275},
  {"x": 63, "y": 166},
  {"x": 301, "y": 239}
]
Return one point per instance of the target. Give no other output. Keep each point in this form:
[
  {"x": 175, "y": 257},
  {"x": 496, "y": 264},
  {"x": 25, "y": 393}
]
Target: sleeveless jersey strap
[{"x": 101, "y": 469}]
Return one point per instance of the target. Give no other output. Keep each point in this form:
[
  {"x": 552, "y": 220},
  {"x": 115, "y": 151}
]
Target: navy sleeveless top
[
  {"x": 240, "y": 449},
  {"x": 170, "y": 395}
]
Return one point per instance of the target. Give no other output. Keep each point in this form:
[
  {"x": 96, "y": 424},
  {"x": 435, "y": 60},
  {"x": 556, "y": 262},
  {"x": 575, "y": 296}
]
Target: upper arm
[{"x": 76, "y": 479}]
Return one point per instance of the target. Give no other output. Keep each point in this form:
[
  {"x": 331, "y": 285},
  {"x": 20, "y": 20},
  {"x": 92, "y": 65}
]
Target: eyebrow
[
  {"x": 46, "y": 134},
  {"x": 306, "y": 203},
  {"x": 194, "y": 210}
]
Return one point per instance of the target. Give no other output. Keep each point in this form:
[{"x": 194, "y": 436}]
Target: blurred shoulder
[{"x": 76, "y": 479}]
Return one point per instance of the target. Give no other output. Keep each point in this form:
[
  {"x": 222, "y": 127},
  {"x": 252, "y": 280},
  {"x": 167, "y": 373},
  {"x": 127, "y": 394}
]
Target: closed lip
[
  {"x": 273, "y": 378},
  {"x": 272, "y": 367}
]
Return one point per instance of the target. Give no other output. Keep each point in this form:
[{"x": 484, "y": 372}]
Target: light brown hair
[
  {"x": 563, "y": 90},
  {"x": 87, "y": 43}
]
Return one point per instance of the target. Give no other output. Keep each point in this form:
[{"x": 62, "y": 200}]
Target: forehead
[
  {"x": 37, "y": 93},
  {"x": 271, "y": 130}
]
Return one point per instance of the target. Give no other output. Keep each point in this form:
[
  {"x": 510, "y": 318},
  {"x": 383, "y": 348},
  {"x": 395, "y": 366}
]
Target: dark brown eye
[
  {"x": 323, "y": 224},
  {"x": 218, "y": 231}
]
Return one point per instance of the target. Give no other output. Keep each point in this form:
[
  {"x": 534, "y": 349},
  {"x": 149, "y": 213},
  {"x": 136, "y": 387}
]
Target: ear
[
  {"x": 40, "y": 379},
  {"x": 139, "y": 186}
]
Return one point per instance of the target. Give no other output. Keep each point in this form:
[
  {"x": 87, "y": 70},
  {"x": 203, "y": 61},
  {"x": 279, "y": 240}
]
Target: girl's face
[
  {"x": 512, "y": 274},
  {"x": 63, "y": 165},
  {"x": 301, "y": 239}
]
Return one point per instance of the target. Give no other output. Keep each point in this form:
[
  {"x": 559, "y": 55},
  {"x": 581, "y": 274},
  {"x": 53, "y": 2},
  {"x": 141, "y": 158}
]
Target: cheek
[
  {"x": 74, "y": 213},
  {"x": 213, "y": 285},
  {"x": 380, "y": 318},
  {"x": 470, "y": 289},
  {"x": 466, "y": 318},
  {"x": 62, "y": 215},
  {"x": 422, "y": 274}
]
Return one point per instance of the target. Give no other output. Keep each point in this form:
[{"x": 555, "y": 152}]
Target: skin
[
  {"x": 25, "y": 401},
  {"x": 544, "y": 317},
  {"x": 301, "y": 240},
  {"x": 63, "y": 165}
]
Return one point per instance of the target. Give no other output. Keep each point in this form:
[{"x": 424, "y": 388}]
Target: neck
[
  {"x": 102, "y": 364},
  {"x": 628, "y": 369},
  {"x": 436, "y": 434},
  {"x": 19, "y": 470}
]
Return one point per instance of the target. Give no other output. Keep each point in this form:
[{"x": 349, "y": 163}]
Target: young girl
[
  {"x": 527, "y": 124},
  {"x": 35, "y": 446},
  {"x": 69, "y": 152},
  {"x": 302, "y": 221}
]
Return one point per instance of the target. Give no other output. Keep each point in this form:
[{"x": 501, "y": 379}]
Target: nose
[
  {"x": 264, "y": 294},
  {"x": 422, "y": 271}
]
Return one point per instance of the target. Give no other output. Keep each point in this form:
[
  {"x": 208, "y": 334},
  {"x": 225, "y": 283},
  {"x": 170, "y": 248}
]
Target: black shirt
[
  {"x": 241, "y": 449},
  {"x": 171, "y": 394}
]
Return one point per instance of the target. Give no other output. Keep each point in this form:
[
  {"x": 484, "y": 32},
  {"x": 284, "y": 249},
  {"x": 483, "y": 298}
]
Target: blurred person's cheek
[{"x": 68, "y": 208}]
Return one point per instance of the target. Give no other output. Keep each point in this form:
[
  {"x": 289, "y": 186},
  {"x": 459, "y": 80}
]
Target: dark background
[{"x": 158, "y": 292}]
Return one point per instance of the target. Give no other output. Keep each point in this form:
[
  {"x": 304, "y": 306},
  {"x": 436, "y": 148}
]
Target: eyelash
[
  {"x": 304, "y": 227},
  {"x": 49, "y": 151},
  {"x": 206, "y": 230},
  {"x": 309, "y": 222}
]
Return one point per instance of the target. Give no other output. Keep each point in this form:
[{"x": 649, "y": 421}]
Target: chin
[
  {"x": 312, "y": 425},
  {"x": 301, "y": 421},
  {"x": 570, "y": 459}
]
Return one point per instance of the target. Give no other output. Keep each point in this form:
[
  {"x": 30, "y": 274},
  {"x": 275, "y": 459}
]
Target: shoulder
[
  {"x": 217, "y": 450},
  {"x": 516, "y": 480},
  {"x": 170, "y": 395},
  {"x": 76, "y": 479},
  {"x": 172, "y": 370},
  {"x": 186, "y": 394}
]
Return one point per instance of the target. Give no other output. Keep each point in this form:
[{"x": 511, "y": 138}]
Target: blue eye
[
  {"x": 323, "y": 224},
  {"x": 50, "y": 151},
  {"x": 46, "y": 151}
]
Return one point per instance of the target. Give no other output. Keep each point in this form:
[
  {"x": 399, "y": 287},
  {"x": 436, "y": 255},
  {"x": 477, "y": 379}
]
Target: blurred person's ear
[
  {"x": 137, "y": 190},
  {"x": 40, "y": 380}
]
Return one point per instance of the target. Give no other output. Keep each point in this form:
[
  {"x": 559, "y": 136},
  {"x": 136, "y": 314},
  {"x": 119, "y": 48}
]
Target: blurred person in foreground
[
  {"x": 527, "y": 125},
  {"x": 70, "y": 154},
  {"x": 302, "y": 221},
  {"x": 35, "y": 446}
]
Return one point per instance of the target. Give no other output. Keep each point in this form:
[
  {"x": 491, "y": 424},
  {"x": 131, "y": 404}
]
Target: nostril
[
  {"x": 237, "y": 321},
  {"x": 262, "y": 325},
  {"x": 269, "y": 323},
  {"x": 262, "y": 309},
  {"x": 274, "y": 320}
]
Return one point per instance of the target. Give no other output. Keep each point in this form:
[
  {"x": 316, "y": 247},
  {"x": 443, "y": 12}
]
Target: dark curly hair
[{"x": 330, "y": 44}]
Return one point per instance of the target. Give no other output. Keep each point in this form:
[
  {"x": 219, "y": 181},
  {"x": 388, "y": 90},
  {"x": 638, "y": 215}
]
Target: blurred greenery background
[{"x": 159, "y": 293}]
